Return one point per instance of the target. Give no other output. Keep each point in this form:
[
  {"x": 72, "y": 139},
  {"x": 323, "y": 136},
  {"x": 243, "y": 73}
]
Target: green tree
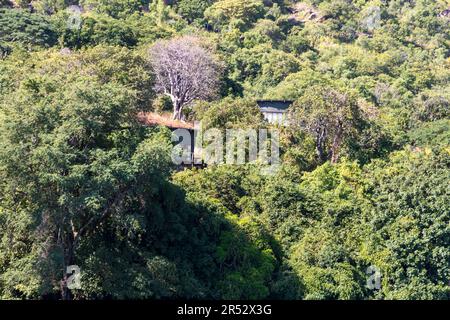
[
  {"x": 98, "y": 29},
  {"x": 193, "y": 10},
  {"x": 225, "y": 11},
  {"x": 331, "y": 116},
  {"x": 115, "y": 8},
  {"x": 410, "y": 224},
  {"x": 26, "y": 28}
]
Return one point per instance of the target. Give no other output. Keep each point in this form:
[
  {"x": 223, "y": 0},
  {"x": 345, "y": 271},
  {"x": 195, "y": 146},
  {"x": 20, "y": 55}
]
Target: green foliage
[
  {"x": 364, "y": 172},
  {"x": 49, "y": 6},
  {"x": 264, "y": 32},
  {"x": 261, "y": 68},
  {"x": 431, "y": 134},
  {"x": 332, "y": 116},
  {"x": 114, "y": 8},
  {"x": 295, "y": 84},
  {"x": 433, "y": 105},
  {"x": 410, "y": 225},
  {"x": 26, "y": 28},
  {"x": 101, "y": 30},
  {"x": 340, "y": 18},
  {"x": 247, "y": 254},
  {"x": 240, "y": 12},
  {"x": 66, "y": 145},
  {"x": 193, "y": 10},
  {"x": 90, "y": 169},
  {"x": 296, "y": 41},
  {"x": 229, "y": 113}
]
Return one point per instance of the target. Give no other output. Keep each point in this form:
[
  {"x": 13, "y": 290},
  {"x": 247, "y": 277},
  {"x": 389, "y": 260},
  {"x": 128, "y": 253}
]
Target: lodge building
[{"x": 274, "y": 112}]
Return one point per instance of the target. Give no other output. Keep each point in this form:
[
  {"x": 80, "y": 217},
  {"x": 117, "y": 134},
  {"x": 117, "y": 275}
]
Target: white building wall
[{"x": 274, "y": 117}]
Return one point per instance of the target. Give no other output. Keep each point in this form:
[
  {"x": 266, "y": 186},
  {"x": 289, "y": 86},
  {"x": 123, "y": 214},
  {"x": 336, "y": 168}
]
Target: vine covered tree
[{"x": 331, "y": 116}]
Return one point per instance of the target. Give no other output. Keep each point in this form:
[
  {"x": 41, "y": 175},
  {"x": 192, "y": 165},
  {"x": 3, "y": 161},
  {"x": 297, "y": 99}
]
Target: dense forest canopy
[{"x": 365, "y": 172}]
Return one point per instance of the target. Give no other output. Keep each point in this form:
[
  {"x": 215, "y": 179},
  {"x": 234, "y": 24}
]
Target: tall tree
[
  {"x": 185, "y": 71},
  {"x": 331, "y": 116}
]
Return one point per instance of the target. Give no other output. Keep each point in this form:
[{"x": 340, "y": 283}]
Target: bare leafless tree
[{"x": 185, "y": 71}]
